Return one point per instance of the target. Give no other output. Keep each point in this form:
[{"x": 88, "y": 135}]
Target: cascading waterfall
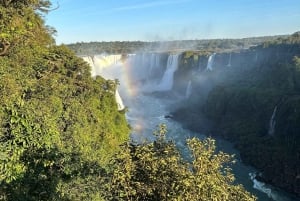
[
  {"x": 90, "y": 61},
  {"x": 229, "y": 60},
  {"x": 199, "y": 65},
  {"x": 210, "y": 62},
  {"x": 166, "y": 82},
  {"x": 119, "y": 100},
  {"x": 188, "y": 91},
  {"x": 147, "y": 111},
  {"x": 272, "y": 122},
  {"x": 139, "y": 67},
  {"x": 99, "y": 62},
  {"x": 256, "y": 57},
  {"x": 152, "y": 64}
]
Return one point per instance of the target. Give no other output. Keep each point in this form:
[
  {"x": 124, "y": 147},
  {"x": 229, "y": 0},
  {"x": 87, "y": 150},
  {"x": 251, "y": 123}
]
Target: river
[{"x": 150, "y": 100}]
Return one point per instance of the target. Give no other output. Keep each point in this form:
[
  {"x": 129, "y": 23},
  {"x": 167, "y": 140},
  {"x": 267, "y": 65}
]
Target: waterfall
[
  {"x": 229, "y": 60},
  {"x": 119, "y": 100},
  {"x": 90, "y": 61},
  {"x": 199, "y": 65},
  {"x": 106, "y": 66},
  {"x": 188, "y": 91},
  {"x": 166, "y": 82},
  {"x": 103, "y": 61},
  {"x": 210, "y": 62},
  {"x": 99, "y": 62},
  {"x": 157, "y": 60},
  {"x": 272, "y": 122},
  {"x": 152, "y": 64},
  {"x": 256, "y": 57},
  {"x": 139, "y": 69}
]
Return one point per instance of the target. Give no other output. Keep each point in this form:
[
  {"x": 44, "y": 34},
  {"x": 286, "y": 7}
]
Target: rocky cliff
[{"x": 251, "y": 97}]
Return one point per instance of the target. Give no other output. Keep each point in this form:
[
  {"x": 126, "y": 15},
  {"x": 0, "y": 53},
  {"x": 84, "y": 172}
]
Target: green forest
[
  {"x": 129, "y": 47},
  {"x": 63, "y": 138}
]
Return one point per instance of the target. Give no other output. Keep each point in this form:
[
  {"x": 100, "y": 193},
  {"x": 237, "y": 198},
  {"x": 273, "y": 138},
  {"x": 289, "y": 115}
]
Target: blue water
[{"x": 148, "y": 111}]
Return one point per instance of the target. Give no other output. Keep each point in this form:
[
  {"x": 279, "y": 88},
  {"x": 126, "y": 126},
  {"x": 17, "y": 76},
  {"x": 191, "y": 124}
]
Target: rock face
[{"x": 237, "y": 101}]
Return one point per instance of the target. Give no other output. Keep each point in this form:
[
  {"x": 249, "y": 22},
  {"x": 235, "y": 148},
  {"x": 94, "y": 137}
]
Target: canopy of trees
[
  {"x": 156, "y": 171},
  {"x": 56, "y": 122}
]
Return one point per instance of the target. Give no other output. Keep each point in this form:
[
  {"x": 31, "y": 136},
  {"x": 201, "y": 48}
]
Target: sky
[{"x": 158, "y": 20}]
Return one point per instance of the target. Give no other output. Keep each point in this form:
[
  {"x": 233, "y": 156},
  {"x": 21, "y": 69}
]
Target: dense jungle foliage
[
  {"x": 56, "y": 121},
  {"x": 156, "y": 171},
  {"x": 60, "y": 130}
]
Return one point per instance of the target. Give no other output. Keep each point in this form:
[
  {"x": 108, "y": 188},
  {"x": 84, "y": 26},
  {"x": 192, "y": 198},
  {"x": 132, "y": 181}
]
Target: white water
[
  {"x": 188, "y": 91},
  {"x": 100, "y": 62},
  {"x": 210, "y": 62},
  {"x": 140, "y": 66},
  {"x": 229, "y": 60},
  {"x": 256, "y": 57},
  {"x": 199, "y": 65},
  {"x": 260, "y": 185},
  {"x": 270, "y": 191},
  {"x": 153, "y": 64},
  {"x": 166, "y": 83},
  {"x": 272, "y": 122},
  {"x": 119, "y": 101},
  {"x": 107, "y": 66}
]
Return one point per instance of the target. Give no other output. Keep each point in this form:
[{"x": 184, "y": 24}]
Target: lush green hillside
[
  {"x": 60, "y": 130},
  {"x": 57, "y": 123},
  {"x": 238, "y": 102}
]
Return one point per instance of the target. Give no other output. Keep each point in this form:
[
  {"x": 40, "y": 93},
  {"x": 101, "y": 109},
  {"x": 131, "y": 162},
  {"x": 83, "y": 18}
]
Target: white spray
[
  {"x": 166, "y": 82},
  {"x": 210, "y": 62},
  {"x": 272, "y": 122}
]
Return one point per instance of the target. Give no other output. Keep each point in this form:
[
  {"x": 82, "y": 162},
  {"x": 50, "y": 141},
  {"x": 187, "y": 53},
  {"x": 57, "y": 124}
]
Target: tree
[
  {"x": 156, "y": 171},
  {"x": 21, "y": 24},
  {"x": 58, "y": 126}
]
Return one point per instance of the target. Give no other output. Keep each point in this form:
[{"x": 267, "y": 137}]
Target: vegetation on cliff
[
  {"x": 261, "y": 81},
  {"x": 60, "y": 130},
  {"x": 56, "y": 121}
]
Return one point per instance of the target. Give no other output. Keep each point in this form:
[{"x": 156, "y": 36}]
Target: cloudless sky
[{"x": 152, "y": 20}]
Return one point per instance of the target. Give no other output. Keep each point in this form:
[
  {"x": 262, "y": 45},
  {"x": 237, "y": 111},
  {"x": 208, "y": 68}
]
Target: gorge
[
  {"x": 195, "y": 119},
  {"x": 223, "y": 94}
]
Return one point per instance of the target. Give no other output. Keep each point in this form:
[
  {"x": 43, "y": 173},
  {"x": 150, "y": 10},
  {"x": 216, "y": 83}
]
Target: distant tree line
[{"x": 127, "y": 47}]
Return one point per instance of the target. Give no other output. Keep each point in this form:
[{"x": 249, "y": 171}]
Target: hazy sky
[{"x": 149, "y": 20}]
